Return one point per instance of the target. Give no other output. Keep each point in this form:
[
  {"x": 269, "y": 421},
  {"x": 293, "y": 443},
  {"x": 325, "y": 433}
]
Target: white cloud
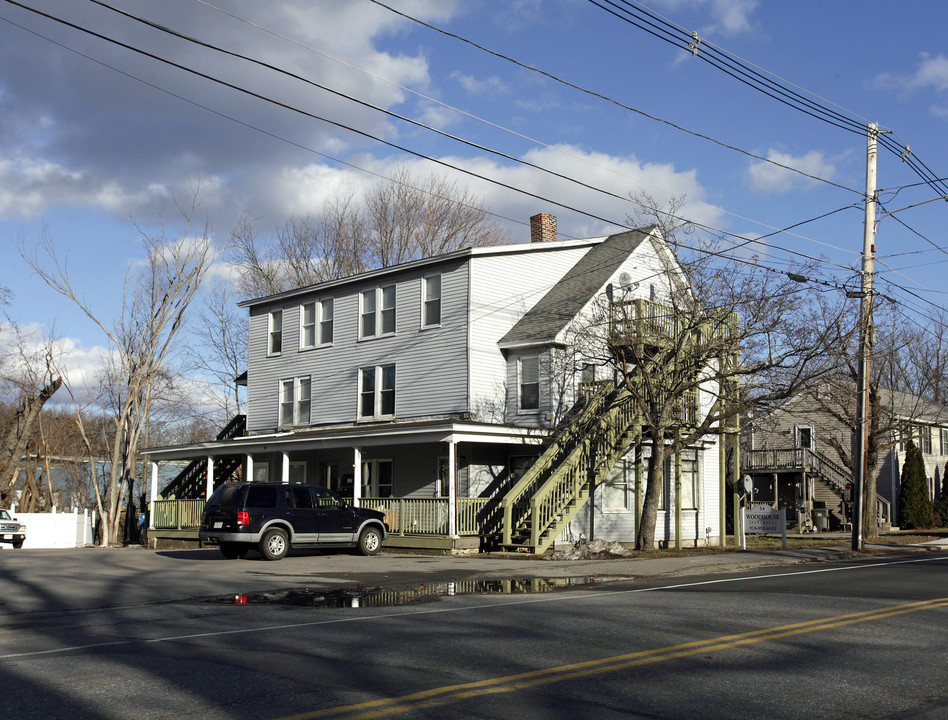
[
  {"x": 724, "y": 17},
  {"x": 932, "y": 72},
  {"x": 479, "y": 86},
  {"x": 766, "y": 178}
]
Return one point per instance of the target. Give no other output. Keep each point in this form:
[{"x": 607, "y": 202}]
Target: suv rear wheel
[
  {"x": 370, "y": 541},
  {"x": 274, "y": 544}
]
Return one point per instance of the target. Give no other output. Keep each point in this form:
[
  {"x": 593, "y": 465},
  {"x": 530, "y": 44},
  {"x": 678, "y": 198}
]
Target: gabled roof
[
  {"x": 545, "y": 320},
  {"x": 457, "y": 255}
]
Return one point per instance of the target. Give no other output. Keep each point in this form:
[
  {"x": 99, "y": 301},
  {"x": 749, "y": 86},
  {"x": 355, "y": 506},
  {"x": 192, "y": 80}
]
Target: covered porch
[{"x": 437, "y": 482}]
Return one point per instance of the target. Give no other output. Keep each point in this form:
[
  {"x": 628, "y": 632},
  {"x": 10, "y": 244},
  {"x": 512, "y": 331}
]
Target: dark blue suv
[{"x": 273, "y": 518}]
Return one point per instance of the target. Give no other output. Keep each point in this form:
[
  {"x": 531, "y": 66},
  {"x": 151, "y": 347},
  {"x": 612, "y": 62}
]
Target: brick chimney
[{"x": 543, "y": 228}]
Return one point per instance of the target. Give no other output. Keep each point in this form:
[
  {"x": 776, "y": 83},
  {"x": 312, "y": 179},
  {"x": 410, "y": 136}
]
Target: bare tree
[
  {"x": 739, "y": 335},
  {"x": 220, "y": 347},
  {"x": 32, "y": 375},
  {"x": 141, "y": 339},
  {"x": 403, "y": 219},
  {"x": 907, "y": 379}
]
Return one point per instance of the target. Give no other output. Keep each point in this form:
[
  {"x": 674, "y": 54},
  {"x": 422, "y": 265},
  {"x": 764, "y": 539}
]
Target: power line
[
  {"x": 645, "y": 19},
  {"x": 608, "y": 99},
  {"x": 396, "y": 146}
]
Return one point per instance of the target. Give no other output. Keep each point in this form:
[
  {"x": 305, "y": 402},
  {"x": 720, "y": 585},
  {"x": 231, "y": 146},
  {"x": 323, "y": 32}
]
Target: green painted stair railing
[{"x": 554, "y": 489}]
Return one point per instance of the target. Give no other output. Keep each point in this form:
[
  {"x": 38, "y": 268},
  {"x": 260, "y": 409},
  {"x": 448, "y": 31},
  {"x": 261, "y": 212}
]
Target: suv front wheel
[
  {"x": 274, "y": 544},
  {"x": 370, "y": 541}
]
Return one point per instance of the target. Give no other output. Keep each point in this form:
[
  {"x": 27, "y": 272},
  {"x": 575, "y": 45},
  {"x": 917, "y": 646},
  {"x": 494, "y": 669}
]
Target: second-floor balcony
[{"x": 655, "y": 325}]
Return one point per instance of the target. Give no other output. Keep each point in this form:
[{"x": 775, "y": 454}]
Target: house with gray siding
[
  {"x": 429, "y": 388},
  {"x": 800, "y": 455}
]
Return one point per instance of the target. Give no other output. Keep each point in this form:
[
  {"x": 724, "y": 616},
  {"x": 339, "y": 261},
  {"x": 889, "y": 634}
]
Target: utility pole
[{"x": 861, "y": 494}]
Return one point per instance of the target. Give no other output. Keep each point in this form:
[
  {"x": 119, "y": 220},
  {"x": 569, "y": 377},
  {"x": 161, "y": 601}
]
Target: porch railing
[
  {"x": 177, "y": 514},
  {"x": 427, "y": 516}
]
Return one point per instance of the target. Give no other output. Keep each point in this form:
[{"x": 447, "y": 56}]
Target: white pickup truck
[{"x": 11, "y": 531}]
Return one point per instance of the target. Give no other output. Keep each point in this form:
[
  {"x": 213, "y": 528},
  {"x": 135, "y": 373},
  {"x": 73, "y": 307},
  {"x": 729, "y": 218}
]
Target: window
[
  {"x": 275, "y": 333},
  {"x": 378, "y": 312},
  {"x": 368, "y": 314},
  {"x": 377, "y": 478},
  {"x": 689, "y": 484},
  {"x": 588, "y": 373},
  {"x": 530, "y": 383},
  {"x": 387, "y": 316},
  {"x": 804, "y": 437},
  {"x": 308, "y": 325},
  {"x": 261, "y": 472},
  {"x": 262, "y": 497},
  {"x": 297, "y": 472},
  {"x": 377, "y": 391},
  {"x": 431, "y": 313},
  {"x": 944, "y": 441},
  {"x": 299, "y": 497},
  {"x": 615, "y": 491},
  {"x": 294, "y": 401},
  {"x": 442, "y": 489},
  {"x": 925, "y": 439},
  {"x": 325, "y": 321}
]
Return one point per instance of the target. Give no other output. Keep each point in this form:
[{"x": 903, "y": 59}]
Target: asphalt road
[{"x": 138, "y": 634}]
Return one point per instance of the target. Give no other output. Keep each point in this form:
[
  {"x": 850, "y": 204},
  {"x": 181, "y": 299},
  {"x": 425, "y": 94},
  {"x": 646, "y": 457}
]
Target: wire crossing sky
[{"x": 755, "y": 112}]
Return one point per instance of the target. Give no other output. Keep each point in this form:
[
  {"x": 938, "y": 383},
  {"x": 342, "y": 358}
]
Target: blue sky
[{"x": 97, "y": 138}]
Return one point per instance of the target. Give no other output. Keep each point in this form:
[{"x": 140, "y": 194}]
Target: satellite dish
[
  {"x": 748, "y": 484},
  {"x": 625, "y": 281}
]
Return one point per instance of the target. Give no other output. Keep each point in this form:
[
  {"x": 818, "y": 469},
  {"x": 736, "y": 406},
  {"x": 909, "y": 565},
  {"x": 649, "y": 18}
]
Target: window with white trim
[
  {"x": 530, "y": 383},
  {"x": 377, "y": 316},
  {"x": 307, "y": 325},
  {"x": 689, "y": 483},
  {"x": 295, "y": 401},
  {"x": 377, "y": 392},
  {"x": 925, "y": 439},
  {"x": 326, "y": 312},
  {"x": 944, "y": 441},
  {"x": 377, "y": 478},
  {"x": 431, "y": 301},
  {"x": 275, "y": 332},
  {"x": 615, "y": 490}
]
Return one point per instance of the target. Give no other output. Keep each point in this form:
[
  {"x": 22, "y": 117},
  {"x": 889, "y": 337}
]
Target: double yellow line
[{"x": 511, "y": 683}]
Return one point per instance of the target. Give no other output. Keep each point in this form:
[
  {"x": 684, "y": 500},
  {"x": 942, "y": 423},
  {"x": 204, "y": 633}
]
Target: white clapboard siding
[{"x": 503, "y": 289}]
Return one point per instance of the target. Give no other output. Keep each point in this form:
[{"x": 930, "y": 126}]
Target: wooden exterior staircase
[
  {"x": 190, "y": 483},
  {"x": 604, "y": 425}
]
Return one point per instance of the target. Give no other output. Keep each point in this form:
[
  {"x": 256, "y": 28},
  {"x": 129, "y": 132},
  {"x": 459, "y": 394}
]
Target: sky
[{"x": 563, "y": 106}]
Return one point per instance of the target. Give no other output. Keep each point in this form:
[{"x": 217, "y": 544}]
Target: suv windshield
[{"x": 4, "y": 515}]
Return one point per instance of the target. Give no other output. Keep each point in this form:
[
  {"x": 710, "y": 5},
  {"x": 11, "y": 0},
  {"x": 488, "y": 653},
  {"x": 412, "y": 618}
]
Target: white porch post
[
  {"x": 249, "y": 477},
  {"x": 154, "y": 495},
  {"x": 356, "y": 476},
  {"x": 285, "y": 470},
  {"x": 452, "y": 490},
  {"x": 209, "y": 486}
]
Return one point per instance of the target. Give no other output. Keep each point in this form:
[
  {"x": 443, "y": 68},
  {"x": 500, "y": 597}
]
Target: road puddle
[{"x": 364, "y": 596}]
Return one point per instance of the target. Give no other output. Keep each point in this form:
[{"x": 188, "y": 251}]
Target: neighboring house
[
  {"x": 794, "y": 457},
  {"x": 430, "y": 389}
]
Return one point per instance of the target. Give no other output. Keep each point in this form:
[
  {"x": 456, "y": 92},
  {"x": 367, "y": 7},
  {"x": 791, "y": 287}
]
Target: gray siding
[{"x": 431, "y": 363}]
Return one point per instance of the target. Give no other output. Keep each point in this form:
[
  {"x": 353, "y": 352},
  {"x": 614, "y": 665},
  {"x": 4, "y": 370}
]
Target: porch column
[
  {"x": 356, "y": 476},
  {"x": 285, "y": 469},
  {"x": 209, "y": 487},
  {"x": 249, "y": 477},
  {"x": 154, "y": 495},
  {"x": 452, "y": 490}
]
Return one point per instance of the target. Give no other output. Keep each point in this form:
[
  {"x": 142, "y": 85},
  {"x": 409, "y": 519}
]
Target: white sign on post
[{"x": 764, "y": 521}]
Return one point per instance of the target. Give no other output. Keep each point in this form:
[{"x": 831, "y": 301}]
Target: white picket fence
[{"x": 55, "y": 529}]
